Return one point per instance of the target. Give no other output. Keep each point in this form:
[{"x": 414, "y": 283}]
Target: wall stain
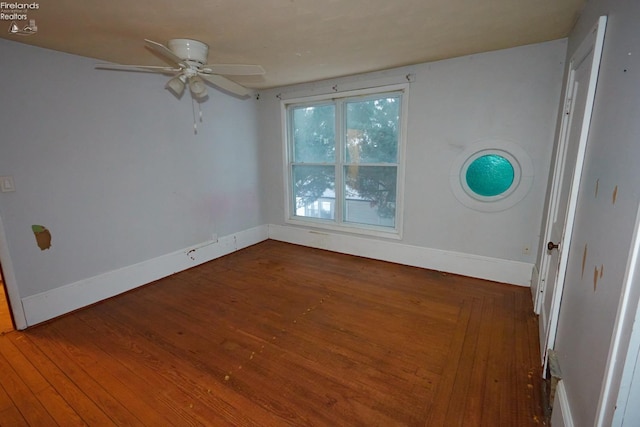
[
  {"x": 584, "y": 260},
  {"x": 597, "y": 186},
  {"x": 597, "y": 275},
  {"x": 43, "y": 236},
  {"x": 615, "y": 195}
]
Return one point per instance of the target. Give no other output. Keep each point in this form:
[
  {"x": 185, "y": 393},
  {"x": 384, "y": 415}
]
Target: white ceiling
[{"x": 298, "y": 40}]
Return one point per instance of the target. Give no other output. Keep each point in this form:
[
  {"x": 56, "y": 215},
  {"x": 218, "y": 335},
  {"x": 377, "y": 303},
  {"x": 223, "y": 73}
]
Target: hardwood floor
[
  {"x": 6, "y": 324},
  {"x": 278, "y": 335}
]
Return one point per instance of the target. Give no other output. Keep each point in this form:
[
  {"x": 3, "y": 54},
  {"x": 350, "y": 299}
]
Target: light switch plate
[{"x": 6, "y": 184}]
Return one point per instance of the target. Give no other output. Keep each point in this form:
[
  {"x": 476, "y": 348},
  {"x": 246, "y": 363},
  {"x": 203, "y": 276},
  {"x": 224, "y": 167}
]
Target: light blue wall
[{"x": 109, "y": 163}]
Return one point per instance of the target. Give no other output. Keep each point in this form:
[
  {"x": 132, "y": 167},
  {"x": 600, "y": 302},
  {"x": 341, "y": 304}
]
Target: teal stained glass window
[{"x": 490, "y": 175}]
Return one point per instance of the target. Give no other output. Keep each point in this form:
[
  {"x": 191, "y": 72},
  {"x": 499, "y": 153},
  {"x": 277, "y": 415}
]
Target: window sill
[{"x": 392, "y": 233}]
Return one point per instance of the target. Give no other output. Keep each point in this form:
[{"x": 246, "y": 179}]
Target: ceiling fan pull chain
[{"x": 193, "y": 110}]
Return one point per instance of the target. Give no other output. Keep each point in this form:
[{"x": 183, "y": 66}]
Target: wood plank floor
[
  {"x": 281, "y": 335},
  {"x": 6, "y": 324}
]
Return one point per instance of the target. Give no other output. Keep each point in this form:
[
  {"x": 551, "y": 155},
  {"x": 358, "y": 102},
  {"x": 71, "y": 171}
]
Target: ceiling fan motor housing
[{"x": 189, "y": 50}]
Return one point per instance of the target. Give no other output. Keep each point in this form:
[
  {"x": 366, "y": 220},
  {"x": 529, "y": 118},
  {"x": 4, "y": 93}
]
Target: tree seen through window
[{"x": 345, "y": 153}]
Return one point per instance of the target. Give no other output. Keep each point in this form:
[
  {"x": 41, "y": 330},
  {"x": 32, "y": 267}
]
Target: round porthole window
[{"x": 491, "y": 176}]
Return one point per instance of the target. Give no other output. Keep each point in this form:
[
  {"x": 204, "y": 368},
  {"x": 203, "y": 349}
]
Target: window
[
  {"x": 491, "y": 175},
  {"x": 344, "y": 160}
]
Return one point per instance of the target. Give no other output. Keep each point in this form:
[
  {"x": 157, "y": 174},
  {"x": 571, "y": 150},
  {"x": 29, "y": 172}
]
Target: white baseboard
[
  {"x": 495, "y": 269},
  {"x": 47, "y": 305},
  {"x": 561, "y": 414}
]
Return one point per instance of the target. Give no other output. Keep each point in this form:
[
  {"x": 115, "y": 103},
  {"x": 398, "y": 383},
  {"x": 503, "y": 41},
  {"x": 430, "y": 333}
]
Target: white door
[{"x": 574, "y": 132}]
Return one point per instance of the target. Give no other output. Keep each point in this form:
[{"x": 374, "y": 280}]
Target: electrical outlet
[
  {"x": 526, "y": 250},
  {"x": 214, "y": 237},
  {"x": 6, "y": 184}
]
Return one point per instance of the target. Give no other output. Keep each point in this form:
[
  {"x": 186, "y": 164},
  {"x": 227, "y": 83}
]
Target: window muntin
[{"x": 344, "y": 160}]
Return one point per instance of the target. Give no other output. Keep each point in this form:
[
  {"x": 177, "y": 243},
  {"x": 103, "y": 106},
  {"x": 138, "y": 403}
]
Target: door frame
[
  {"x": 593, "y": 41},
  {"x": 556, "y": 181},
  {"x": 622, "y": 374},
  {"x": 9, "y": 279}
]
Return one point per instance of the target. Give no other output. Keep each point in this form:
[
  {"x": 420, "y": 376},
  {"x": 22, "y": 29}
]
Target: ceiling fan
[{"x": 190, "y": 68}]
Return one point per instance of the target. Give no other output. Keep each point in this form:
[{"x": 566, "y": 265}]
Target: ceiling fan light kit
[
  {"x": 176, "y": 85},
  {"x": 197, "y": 87}
]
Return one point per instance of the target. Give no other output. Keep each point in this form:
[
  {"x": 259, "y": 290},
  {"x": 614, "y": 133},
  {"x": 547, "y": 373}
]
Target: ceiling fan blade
[
  {"x": 140, "y": 68},
  {"x": 226, "y": 84},
  {"x": 233, "y": 69},
  {"x": 163, "y": 50}
]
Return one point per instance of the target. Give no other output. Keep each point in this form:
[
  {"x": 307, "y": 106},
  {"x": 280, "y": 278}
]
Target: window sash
[{"x": 340, "y": 205}]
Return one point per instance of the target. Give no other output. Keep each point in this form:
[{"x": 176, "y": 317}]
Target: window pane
[
  {"x": 314, "y": 191},
  {"x": 370, "y": 195},
  {"x": 372, "y": 130},
  {"x": 490, "y": 175},
  {"x": 314, "y": 134}
]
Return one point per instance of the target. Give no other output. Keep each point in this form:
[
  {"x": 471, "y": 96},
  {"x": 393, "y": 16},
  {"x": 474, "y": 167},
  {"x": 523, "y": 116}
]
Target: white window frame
[{"x": 338, "y": 223}]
